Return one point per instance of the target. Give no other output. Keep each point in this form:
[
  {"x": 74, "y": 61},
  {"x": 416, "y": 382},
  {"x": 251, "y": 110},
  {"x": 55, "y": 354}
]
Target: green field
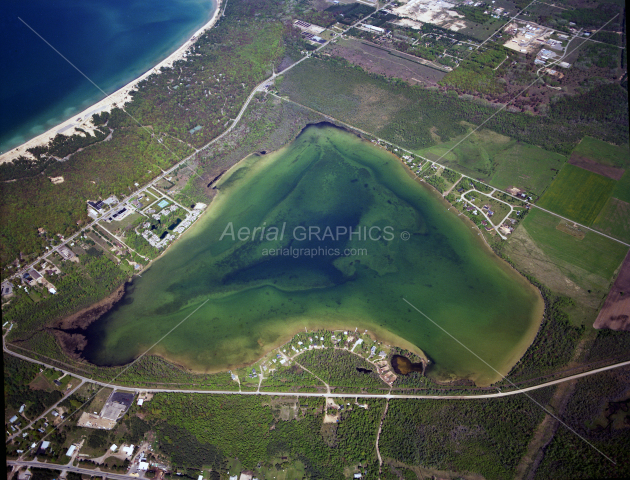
[
  {"x": 527, "y": 167},
  {"x": 581, "y": 269},
  {"x": 474, "y": 156},
  {"x": 577, "y": 194},
  {"x": 499, "y": 160},
  {"x": 614, "y": 219},
  {"x": 603, "y": 152},
  {"x": 622, "y": 189},
  {"x": 593, "y": 253}
]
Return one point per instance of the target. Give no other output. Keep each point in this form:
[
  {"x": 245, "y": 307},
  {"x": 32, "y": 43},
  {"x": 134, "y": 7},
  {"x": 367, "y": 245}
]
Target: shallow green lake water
[{"x": 255, "y": 301}]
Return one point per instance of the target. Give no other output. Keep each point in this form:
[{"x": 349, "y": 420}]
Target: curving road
[{"x": 321, "y": 394}]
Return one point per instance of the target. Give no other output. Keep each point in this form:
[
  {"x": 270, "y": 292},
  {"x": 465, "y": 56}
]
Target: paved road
[
  {"x": 69, "y": 468},
  {"x": 321, "y": 394}
]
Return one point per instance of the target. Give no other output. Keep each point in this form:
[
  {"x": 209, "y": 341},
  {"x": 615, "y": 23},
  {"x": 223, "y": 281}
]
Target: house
[
  {"x": 52, "y": 290},
  {"x": 71, "y": 450},
  {"x": 128, "y": 450},
  {"x": 114, "y": 447},
  {"x": 13, "y": 419},
  {"x": 44, "y": 446},
  {"x": 140, "y": 402},
  {"x": 144, "y": 466}
]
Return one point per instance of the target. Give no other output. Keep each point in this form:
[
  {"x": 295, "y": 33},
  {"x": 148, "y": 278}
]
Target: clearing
[
  {"x": 614, "y": 219},
  {"x": 577, "y": 194},
  {"x": 382, "y": 61},
  {"x": 580, "y": 267},
  {"x": 603, "y": 152}
]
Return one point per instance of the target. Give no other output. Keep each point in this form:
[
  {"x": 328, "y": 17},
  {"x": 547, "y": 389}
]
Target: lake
[{"x": 332, "y": 232}]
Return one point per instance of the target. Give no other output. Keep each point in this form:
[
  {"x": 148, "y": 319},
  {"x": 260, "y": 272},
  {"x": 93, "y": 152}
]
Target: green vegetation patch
[
  {"x": 594, "y": 253},
  {"x": 485, "y": 436},
  {"x": 499, "y": 160},
  {"x": 622, "y": 189},
  {"x": 474, "y": 155},
  {"x": 196, "y": 430},
  {"x": 341, "y": 368},
  {"x": 17, "y": 375},
  {"x": 578, "y": 194},
  {"x": 604, "y": 152},
  {"x": 527, "y": 167},
  {"x": 591, "y": 412},
  {"x": 614, "y": 219}
]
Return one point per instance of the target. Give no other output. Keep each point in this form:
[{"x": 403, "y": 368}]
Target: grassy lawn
[
  {"x": 499, "y": 160},
  {"x": 614, "y": 219},
  {"x": 125, "y": 222},
  {"x": 288, "y": 471},
  {"x": 500, "y": 209},
  {"x": 578, "y": 194},
  {"x": 603, "y": 152},
  {"x": 41, "y": 383}
]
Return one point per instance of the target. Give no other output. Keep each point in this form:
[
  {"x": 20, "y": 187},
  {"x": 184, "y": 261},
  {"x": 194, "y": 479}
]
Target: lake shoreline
[
  {"x": 345, "y": 321},
  {"x": 118, "y": 99}
]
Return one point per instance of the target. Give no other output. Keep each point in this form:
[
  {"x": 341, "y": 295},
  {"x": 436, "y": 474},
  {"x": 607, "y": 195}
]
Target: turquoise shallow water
[
  {"x": 111, "y": 41},
  {"x": 254, "y": 301}
]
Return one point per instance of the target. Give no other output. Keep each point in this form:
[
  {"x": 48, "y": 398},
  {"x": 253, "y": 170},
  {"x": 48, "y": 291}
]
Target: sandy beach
[{"x": 117, "y": 99}]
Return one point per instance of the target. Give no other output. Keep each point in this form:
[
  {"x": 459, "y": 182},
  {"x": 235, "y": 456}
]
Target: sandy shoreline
[{"x": 117, "y": 99}]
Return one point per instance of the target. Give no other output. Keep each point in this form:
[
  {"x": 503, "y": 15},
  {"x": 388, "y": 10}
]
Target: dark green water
[{"x": 325, "y": 178}]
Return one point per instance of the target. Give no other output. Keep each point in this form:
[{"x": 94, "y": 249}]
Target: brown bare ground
[
  {"x": 568, "y": 227},
  {"x": 41, "y": 383},
  {"x": 615, "y": 314},
  {"x": 382, "y": 62},
  {"x": 592, "y": 166}
]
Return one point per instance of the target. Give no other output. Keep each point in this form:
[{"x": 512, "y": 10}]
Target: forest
[
  {"x": 487, "y": 437},
  {"x": 339, "y": 367}
]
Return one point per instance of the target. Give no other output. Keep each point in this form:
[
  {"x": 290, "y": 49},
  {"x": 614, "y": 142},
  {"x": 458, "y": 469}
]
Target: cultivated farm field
[
  {"x": 614, "y": 219},
  {"x": 578, "y": 194}
]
